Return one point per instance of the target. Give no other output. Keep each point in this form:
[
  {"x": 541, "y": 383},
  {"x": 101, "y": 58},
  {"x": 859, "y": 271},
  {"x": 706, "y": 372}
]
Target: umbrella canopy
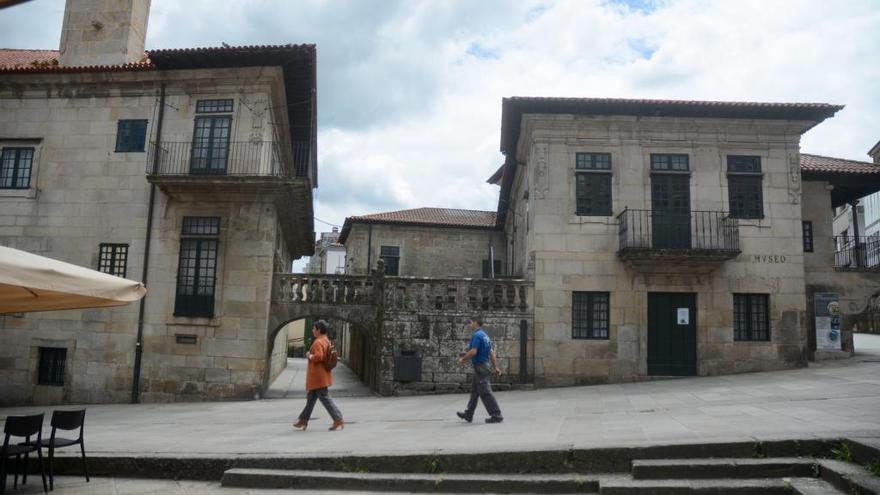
[{"x": 35, "y": 283}]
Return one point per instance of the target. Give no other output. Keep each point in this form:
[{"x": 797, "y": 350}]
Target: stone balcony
[
  {"x": 251, "y": 166},
  {"x": 689, "y": 241}
]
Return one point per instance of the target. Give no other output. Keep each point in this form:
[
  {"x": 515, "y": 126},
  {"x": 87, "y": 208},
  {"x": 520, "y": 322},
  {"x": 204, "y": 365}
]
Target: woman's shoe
[
  {"x": 338, "y": 424},
  {"x": 301, "y": 424}
]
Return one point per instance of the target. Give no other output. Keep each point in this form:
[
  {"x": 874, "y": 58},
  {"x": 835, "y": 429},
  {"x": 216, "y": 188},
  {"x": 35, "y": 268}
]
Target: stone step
[
  {"x": 812, "y": 486},
  {"x": 849, "y": 477},
  {"x": 446, "y": 483},
  {"x": 724, "y": 468},
  {"x": 624, "y": 486}
]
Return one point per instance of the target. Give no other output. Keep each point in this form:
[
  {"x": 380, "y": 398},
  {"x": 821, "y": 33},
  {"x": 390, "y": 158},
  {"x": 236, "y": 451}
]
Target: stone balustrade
[
  {"x": 457, "y": 294},
  {"x": 306, "y": 288}
]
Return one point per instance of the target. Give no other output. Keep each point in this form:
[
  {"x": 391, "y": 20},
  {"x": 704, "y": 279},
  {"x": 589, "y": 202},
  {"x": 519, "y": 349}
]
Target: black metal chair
[
  {"x": 27, "y": 427},
  {"x": 65, "y": 420}
]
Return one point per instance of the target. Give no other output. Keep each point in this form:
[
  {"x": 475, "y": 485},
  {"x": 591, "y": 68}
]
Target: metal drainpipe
[
  {"x": 369, "y": 248},
  {"x": 139, "y": 346}
]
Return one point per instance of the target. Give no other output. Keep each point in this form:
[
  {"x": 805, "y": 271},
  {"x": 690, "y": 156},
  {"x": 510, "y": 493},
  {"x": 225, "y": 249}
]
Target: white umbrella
[{"x": 35, "y": 283}]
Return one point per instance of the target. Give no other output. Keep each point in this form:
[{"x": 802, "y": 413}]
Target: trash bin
[{"x": 407, "y": 367}]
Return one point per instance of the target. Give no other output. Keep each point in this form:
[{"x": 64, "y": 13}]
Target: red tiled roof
[
  {"x": 10, "y": 57},
  {"x": 828, "y": 164},
  {"x": 425, "y": 217}
]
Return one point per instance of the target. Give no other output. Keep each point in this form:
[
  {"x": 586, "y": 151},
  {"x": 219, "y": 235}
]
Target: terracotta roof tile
[
  {"x": 27, "y": 58},
  {"x": 425, "y": 217},
  {"x": 819, "y": 163}
]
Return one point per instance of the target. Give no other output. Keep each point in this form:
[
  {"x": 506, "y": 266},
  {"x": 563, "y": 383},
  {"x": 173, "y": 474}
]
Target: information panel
[{"x": 827, "y": 321}]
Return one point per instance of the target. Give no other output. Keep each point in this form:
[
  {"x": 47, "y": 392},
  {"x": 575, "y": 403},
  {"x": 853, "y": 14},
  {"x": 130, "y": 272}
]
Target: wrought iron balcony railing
[
  {"x": 238, "y": 159},
  {"x": 857, "y": 252},
  {"x": 695, "y": 231}
]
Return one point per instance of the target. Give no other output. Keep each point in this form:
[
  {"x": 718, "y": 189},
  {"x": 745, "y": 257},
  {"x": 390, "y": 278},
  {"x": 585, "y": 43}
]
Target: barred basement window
[
  {"x": 197, "y": 267},
  {"x": 745, "y": 186},
  {"x": 51, "y": 370},
  {"x": 751, "y": 317},
  {"x": 113, "y": 258},
  {"x": 391, "y": 256},
  {"x": 589, "y": 315},
  {"x": 15, "y": 168},
  {"x": 214, "y": 106},
  {"x": 807, "y": 227},
  {"x": 131, "y": 136}
]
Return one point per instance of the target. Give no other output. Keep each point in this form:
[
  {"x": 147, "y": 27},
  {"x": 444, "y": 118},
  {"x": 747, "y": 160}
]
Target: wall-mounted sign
[
  {"x": 768, "y": 258},
  {"x": 828, "y": 336},
  {"x": 684, "y": 316}
]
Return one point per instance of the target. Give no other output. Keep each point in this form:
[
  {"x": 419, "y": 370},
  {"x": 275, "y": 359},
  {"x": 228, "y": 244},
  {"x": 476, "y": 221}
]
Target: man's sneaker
[
  {"x": 494, "y": 419},
  {"x": 464, "y": 416}
]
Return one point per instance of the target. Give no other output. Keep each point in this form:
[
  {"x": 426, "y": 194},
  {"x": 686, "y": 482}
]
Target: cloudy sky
[{"x": 410, "y": 91}]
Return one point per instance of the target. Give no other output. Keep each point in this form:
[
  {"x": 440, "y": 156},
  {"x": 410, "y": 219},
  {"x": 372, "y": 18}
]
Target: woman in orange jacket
[{"x": 318, "y": 379}]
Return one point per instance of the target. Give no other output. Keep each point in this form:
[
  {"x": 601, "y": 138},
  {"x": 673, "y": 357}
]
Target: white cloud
[{"x": 408, "y": 117}]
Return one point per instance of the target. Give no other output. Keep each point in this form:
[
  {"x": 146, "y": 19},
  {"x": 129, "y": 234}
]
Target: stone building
[
  {"x": 660, "y": 238},
  {"x": 190, "y": 170},
  {"x": 329, "y": 254}
]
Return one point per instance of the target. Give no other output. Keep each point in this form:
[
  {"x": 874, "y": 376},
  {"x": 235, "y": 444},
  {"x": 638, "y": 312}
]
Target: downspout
[
  {"x": 139, "y": 346},
  {"x": 369, "y": 248}
]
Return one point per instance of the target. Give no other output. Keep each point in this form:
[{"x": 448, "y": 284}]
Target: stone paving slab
[{"x": 827, "y": 400}]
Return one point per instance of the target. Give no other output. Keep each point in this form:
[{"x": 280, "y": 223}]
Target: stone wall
[
  {"x": 424, "y": 251},
  {"x": 439, "y": 338}
]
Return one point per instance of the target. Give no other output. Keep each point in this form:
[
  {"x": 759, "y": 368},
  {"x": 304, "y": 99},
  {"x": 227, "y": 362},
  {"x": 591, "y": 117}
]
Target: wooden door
[
  {"x": 672, "y": 333},
  {"x": 671, "y": 211}
]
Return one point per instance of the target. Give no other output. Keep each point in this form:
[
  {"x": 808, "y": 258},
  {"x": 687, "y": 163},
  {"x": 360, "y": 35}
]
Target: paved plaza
[{"x": 829, "y": 399}]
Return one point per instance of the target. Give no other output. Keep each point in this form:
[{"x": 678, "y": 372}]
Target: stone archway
[{"x": 363, "y": 319}]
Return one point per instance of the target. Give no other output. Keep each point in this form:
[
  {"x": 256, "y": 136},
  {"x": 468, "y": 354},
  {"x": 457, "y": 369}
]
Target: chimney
[
  {"x": 335, "y": 230},
  {"x": 103, "y": 32}
]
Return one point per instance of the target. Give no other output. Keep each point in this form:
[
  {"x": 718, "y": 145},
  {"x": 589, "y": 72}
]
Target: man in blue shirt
[{"x": 481, "y": 353}]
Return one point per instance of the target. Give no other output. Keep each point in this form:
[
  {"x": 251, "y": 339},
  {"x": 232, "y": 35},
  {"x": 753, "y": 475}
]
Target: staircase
[{"x": 672, "y": 476}]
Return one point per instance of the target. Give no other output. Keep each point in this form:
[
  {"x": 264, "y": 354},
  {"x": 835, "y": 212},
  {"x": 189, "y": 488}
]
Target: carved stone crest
[
  {"x": 541, "y": 179},
  {"x": 794, "y": 178}
]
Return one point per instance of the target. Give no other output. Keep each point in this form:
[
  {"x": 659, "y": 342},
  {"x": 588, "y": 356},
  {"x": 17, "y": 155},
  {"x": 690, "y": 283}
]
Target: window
[
  {"x": 807, "y": 227},
  {"x": 112, "y": 258},
  {"x": 391, "y": 256},
  {"x": 589, "y": 315},
  {"x": 744, "y": 185},
  {"x": 751, "y": 318},
  {"x": 210, "y": 146},
  {"x": 214, "y": 106},
  {"x": 131, "y": 135},
  {"x": 670, "y": 162},
  {"x": 593, "y": 184},
  {"x": 51, "y": 371},
  {"x": 197, "y": 267},
  {"x": 15, "y": 168},
  {"x": 488, "y": 273}
]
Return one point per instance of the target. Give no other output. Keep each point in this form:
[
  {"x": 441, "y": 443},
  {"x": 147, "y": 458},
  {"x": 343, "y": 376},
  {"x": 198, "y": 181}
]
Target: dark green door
[
  {"x": 671, "y": 211},
  {"x": 672, "y": 333}
]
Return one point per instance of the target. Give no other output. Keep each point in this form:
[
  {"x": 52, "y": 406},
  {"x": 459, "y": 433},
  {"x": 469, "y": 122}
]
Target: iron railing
[
  {"x": 857, "y": 252},
  {"x": 694, "y": 230},
  {"x": 242, "y": 159}
]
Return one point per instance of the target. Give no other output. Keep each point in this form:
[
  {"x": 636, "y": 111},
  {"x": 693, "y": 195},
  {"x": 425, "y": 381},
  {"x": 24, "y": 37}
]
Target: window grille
[
  {"x": 16, "y": 165},
  {"x": 807, "y": 227},
  {"x": 113, "y": 258},
  {"x": 51, "y": 367},
  {"x": 751, "y": 317},
  {"x": 589, "y": 315}
]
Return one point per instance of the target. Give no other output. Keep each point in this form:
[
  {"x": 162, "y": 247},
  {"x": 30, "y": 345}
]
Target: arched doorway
[{"x": 286, "y": 364}]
